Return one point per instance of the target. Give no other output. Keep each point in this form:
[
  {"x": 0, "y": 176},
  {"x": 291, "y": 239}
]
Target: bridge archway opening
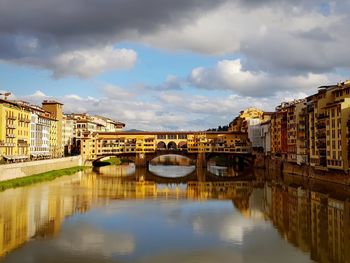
[
  {"x": 161, "y": 146},
  {"x": 99, "y": 162},
  {"x": 172, "y": 166},
  {"x": 172, "y": 145},
  {"x": 182, "y": 145}
]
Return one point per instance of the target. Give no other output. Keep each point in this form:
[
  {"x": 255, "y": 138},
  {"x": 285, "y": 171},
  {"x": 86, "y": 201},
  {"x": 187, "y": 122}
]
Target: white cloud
[
  {"x": 83, "y": 63},
  {"x": 90, "y": 62},
  {"x": 118, "y": 93},
  {"x": 230, "y": 75},
  {"x": 167, "y": 110},
  {"x": 289, "y": 37},
  {"x": 272, "y": 36},
  {"x": 89, "y": 240}
]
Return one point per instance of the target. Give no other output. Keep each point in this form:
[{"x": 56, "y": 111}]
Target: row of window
[
  {"x": 335, "y": 162},
  {"x": 171, "y": 136}
]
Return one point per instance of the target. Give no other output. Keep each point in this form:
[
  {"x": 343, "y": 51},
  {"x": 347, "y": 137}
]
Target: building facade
[
  {"x": 68, "y": 134},
  {"x": 39, "y": 136},
  {"x": 100, "y": 144},
  {"x": 14, "y": 131},
  {"x": 328, "y": 114},
  {"x": 56, "y": 111}
]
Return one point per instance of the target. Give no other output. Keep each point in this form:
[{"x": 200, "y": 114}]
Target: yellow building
[
  {"x": 279, "y": 134},
  {"x": 14, "y": 131},
  {"x": 296, "y": 146},
  {"x": 236, "y": 142},
  {"x": 54, "y": 135},
  {"x": 240, "y": 123},
  {"x": 96, "y": 144},
  {"x": 56, "y": 112},
  {"x": 328, "y": 119}
]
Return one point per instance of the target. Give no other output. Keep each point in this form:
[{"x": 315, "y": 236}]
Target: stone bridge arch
[
  {"x": 161, "y": 145},
  {"x": 130, "y": 157},
  {"x": 182, "y": 145},
  {"x": 172, "y": 145}
]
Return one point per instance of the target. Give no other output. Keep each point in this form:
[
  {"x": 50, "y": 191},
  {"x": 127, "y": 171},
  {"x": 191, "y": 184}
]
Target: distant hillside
[{"x": 134, "y": 130}]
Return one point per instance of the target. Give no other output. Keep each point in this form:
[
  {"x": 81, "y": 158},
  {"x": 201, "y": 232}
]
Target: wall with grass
[{"x": 16, "y": 170}]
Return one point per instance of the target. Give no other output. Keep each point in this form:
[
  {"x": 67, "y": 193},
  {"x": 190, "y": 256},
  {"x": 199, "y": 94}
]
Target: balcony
[
  {"x": 10, "y": 126},
  {"x": 321, "y": 126},
  {"x": 7, "y": 144},
  {"x": 10, "y": 135},
  {"x": 322, "y": 148},
  {"x": 240, "y": 144},
  {"x": 322, "y": 155},
  {"x": 322, "y": 116},
  {"x": 12, "y": 117},
  {"x": 321, "y": 135},
  {"x": 24, "y": 120}
]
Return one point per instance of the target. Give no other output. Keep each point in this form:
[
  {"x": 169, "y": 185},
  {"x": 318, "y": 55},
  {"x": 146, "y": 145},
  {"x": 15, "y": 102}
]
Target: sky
[{"x": 171, "y": 65}]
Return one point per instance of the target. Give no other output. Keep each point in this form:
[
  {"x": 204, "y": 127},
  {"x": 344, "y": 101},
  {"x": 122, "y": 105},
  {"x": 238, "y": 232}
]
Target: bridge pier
[
  {"x": 140, "y": 160},
  {"x": 201, "y": 160}
]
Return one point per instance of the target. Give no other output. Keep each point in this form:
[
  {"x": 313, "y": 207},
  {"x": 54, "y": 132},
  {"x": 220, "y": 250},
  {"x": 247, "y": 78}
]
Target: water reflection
[
  {"x": 116, "y": 170},
  {"x": 97, "y": 217},
  {"x": 313, "y": 221},
  {"x": 172, "y": 166}
]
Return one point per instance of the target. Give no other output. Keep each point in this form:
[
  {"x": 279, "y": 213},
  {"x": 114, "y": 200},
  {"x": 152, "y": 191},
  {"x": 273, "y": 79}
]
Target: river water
[{"x": 123, "y": 214}]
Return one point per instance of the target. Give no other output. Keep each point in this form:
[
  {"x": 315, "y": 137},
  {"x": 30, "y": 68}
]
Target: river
[{"x": 174, "y": 214}]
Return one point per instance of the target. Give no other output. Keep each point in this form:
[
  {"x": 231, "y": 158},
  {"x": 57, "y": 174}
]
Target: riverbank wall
[
  {"x": 281, "y": 167},
  {"x": 17, "y": 170}
]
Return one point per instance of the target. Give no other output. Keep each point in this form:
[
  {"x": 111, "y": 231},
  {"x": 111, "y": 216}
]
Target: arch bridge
[{"x": 142, "y": 147}]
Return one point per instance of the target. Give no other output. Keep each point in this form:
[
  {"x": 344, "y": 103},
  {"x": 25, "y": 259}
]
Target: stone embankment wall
[
  {"x": 16, "y": 170},
  {"x": 277, "y": 166}
]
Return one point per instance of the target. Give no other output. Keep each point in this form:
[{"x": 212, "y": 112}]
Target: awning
[{"x": 16, "y": 157}]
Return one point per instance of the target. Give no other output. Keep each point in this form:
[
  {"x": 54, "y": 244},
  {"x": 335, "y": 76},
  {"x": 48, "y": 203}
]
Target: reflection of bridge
[
  {"x": 199, "y": 174},
  {"x": 142, "y": 183},
  {"x": 141, "y": 147}
]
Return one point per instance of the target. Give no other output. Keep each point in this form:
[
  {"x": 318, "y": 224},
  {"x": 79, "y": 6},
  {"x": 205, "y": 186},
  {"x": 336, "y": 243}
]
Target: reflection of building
[
  {"x": 319, "y": 226},
  {"x": 35, "y": 211},
  {"x": 336, "y": 230},
  {"x": 13, "y": 222},
  {"x": 239, "y": 192},
  {"x": 346, "y": 229},
  {"x": 171, "y": 159},
  {"x": 304, "y": 219},
  {"x": 310, "y": 220}
]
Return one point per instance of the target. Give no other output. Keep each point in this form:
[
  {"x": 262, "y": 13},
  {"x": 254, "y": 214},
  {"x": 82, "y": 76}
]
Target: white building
[
  {"x": 68, "y": 134},
  {"x": 265, "y": 133},
  {"x": 39, "y": 135},
  {"x": 107, "y": 125},
  {"x": 254, "y": 132}
]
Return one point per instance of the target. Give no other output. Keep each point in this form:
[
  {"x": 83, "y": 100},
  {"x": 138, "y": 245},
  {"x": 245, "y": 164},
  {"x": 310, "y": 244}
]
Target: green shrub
[{"x": 37, "y": 178}]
